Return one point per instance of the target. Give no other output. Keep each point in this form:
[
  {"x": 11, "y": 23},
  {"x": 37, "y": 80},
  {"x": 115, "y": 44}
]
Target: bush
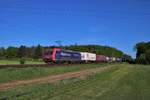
[{"x": 22, "y": 61}]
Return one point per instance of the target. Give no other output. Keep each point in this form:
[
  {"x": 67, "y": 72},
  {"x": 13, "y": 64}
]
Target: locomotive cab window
[{"x": 48, "y": 53}]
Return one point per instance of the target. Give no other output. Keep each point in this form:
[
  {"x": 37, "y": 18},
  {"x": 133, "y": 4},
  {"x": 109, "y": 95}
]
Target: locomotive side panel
[{"x": 65, "y": 55}]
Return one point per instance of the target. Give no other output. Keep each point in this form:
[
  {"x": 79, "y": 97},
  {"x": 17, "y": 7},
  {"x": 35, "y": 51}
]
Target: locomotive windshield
[{"x": 49, "y": 52}]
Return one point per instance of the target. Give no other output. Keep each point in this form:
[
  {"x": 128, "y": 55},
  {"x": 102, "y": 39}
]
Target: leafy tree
[
  {"x": 143, "y": 52},
  {"x": 148, "y": 56},
  {"x": 11, "y": 52},
  {"x": 38, "y": 52},
  {"x": 22, "y": 51},
  {"x": 141, "y": 48},
  {"x": 2, "y": 53},
  {"x": 141, "y": 59}
]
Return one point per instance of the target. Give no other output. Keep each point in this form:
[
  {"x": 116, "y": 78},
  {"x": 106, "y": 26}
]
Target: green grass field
[
  {"x": 123, "y": 82},
  {"x": 16, "y": 61},
  {"x": 12, "y": 74}
]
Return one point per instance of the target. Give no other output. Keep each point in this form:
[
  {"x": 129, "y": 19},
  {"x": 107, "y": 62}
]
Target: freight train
[{"x": 57, "y": 55}]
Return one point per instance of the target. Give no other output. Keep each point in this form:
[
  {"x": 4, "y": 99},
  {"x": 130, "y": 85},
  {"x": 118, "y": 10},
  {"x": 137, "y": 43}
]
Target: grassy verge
[
  {"x": 8, "y": 62},
  {"x": 127, "y": 82},
  {"x": 12, "y": 74}
]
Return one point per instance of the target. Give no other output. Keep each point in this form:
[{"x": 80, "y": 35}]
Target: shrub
[{"x": 22, "y": 61}]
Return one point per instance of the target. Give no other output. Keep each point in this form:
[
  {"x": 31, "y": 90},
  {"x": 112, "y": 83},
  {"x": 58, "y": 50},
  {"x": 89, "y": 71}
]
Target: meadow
[
  {"x": 122, "y": 82},
  {"x": 12, "y": 74}
]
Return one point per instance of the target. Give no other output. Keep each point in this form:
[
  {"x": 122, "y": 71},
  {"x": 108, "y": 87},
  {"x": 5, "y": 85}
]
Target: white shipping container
[
  {"x": 107, "y": 58},
  {"x": 113, "y": 59},
  {"x": 88, "y": 56}
]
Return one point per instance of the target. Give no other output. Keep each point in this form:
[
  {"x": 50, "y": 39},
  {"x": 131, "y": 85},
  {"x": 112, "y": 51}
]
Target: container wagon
[
  {"x": 101, "y": 58},
  {"x": 88, "y": 57},
  {"x": 119, "y": 59}
]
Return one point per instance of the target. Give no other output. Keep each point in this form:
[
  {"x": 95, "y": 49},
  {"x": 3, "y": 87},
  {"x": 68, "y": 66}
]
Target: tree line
[
  {"x": 36, "y": 52},
  {"x": 98, "y": 49},
  {"x": 143, "y": 53}
]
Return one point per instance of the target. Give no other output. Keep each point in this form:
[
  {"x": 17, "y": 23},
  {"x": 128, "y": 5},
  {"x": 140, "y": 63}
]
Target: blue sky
[{"x": 117, "y": 23}]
